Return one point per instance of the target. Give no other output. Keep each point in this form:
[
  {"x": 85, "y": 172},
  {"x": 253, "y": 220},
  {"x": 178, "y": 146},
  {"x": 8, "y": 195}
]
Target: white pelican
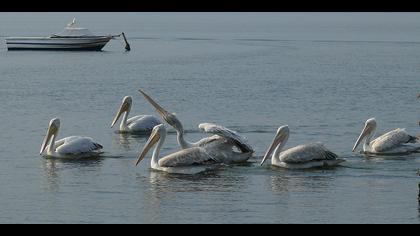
[
  {"x": 397, "y": 141},
  {"x": 187, "y": 161},
  {"x": 73, "y": 146},
  {"x": 138, "y": 124},
  {"x": 220, "y": 145},
  {"x": 299, "y": 157}
]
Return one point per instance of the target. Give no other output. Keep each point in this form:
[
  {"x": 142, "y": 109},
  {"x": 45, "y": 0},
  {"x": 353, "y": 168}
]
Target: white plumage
[
  {"x": 73, "y": 146},
  {"x": 219, "y": 146},
  {"x": 229, "y": 135},
  {"x": 77, "y": 145},
  {"x": 391, "y": 140},
  {"x": 397, "y": 141},
  {"x": 186, "y": 157},
  {"x": 306, "y": 153},
  {"x": 302, "y": 156},
  {"x": 141, "y": 124},
  {"x": 187, "y": 161}
]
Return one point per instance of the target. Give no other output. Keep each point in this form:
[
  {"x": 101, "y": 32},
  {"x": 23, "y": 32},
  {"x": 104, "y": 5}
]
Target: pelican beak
[
  {"x": 154, "y": 138},
  {"x": 280, "y": 136},
  {"x": 366, "y": 131},
  {"x": 168, "y": 117},
  {"x": 125, "y": 106},
  {"x": 52, "y": 129}
]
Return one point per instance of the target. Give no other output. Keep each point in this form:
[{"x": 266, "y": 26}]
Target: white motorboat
[{"x": 71, "y": 38}]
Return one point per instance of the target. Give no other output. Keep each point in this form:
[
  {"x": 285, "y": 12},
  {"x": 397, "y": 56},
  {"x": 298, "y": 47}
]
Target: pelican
[
  {"x": 136, "y": 124},
  {"x": 299, "y": 157},
  {"x": 73, "y": 146},
  {"x": 397, "y": 141},
  {"x": 186, "y": 161},
  {"x": 220, "y": 145}
]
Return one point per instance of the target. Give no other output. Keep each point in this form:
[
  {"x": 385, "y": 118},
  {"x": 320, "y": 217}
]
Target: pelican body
[
  {"x": 395, "y": 142},
  {"x": 70, "y": 147},
  {"x": 141, "y": 124},
  {"x": 219, "y": 146},
  {"x": 186, "y": 161},
  {"x": 299, "y": 157}
]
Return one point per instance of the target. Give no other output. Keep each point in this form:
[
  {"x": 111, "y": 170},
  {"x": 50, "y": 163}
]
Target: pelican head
[
  {"x": 280, "y": 138},
  {"x": 158, "y": 132},
  {"x": 370, "y": 126},
  {"x": 52, "y": 131},
  {"x": 170, "y": 118},
  {"x": 125, "y": 107}
]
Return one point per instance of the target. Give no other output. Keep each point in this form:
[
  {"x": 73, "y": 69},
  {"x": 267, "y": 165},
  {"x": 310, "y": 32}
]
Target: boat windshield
[{"x": 74, "y": 32}]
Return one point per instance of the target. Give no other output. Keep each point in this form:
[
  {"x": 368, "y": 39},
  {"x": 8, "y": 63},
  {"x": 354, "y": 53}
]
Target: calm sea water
[{"x": 323, "y": 74}]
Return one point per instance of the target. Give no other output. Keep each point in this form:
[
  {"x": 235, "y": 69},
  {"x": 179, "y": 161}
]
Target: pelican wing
[
  {"x": 58, "y": 143},
  {"x": 307, "y": 153},
  {"x": 134, "y": 119},
  {"x": 222, "y": 153},
  {"x": 207, "y": 141},
  {"x": 143, "y": 122},
  {"x": 228, "y": 134},
  {"x": 186, "y": 157},
  {"x": 77, "y": 145},
  {"x": 392, "y": 140}
]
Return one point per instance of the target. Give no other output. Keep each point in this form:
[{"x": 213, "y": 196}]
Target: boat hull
[{"x": 57, "y": 43}]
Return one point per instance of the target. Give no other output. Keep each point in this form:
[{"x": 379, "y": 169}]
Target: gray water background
[{"x": 323, "y": 74}]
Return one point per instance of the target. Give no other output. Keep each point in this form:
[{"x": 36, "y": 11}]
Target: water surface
[{"x": 323, "y": 74}]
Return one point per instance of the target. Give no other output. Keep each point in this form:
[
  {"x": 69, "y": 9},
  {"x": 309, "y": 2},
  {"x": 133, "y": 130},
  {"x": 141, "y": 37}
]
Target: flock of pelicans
[{"x": 225, "y": 146}]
